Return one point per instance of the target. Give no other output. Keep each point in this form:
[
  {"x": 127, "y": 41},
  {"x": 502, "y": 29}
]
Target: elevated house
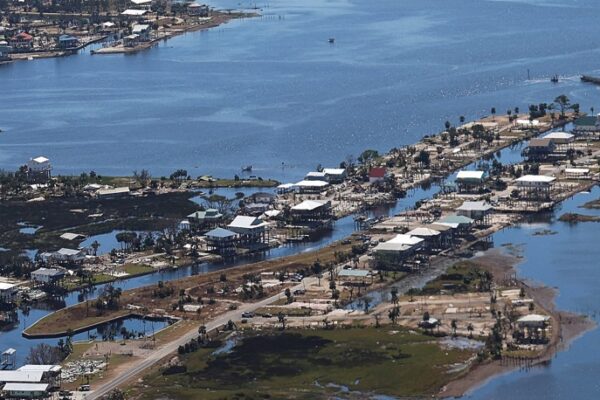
[
  {"x": 459, "y": 223},
  {"x": 39, "y": 170},
  {"x": 8, "y": 293},
  {"x": 205, "y": 219},
  {"x": 5, "y": 51},
  {"x": 198, "y": 10},
  {"x": 143, "y": 31},
  {"x": 221, "y": 241},
  {"x": 470, "y": 181},
  {"x": 258, "y": 203},
  {"x": 588, "y": 126},
  {"x": 21, "y": 42},
  {"x": 18, "y": 390},
  {"x": 432, "y": 238},
  {"x": 540, "y": 149},
  {"x": 312, "y": 214},
  {"x": 48, "y": 276},
  {"x": 132, "y": 13},
  {"x": 252, "y": 232},
  {"x": 396, "y": 252},
  {"x": 535, "y": 187},
  {"x": 355, "y": 277},
  {"x": 141, "y": 4},
  {"x": 311, "y": 186},
  {"x": 64, "y": 256},
  {"x": 316, "y": 176},
  {"x": 262, "y": 198},
  {"x": 478, "y": 211},
  {"x": 578, "y": 173},
  {"x": 131, "y": 40},
  {"x": 113, "y": 193},
  {"x": 67, "y": 42},
  {"x": 560, "y": 138},
  {"x": 335, "y": 175}
]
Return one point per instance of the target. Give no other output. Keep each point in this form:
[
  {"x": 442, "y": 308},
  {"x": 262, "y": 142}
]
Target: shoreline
[{"x": 570, "y": 326}]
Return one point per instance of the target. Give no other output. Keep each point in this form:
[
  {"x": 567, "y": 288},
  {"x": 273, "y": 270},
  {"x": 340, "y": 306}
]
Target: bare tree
[{"x": 44, "y": 354}]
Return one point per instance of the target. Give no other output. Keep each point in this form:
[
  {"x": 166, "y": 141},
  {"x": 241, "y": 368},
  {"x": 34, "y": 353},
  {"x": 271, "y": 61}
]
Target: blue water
[{"x": 272, "y": 90}]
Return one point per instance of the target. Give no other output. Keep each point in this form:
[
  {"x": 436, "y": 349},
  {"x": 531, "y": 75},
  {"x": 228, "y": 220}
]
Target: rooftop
[
  {"x": 220, "y": 233},
  {"x": 423, "y": 232},
  {"x": 559, "y": 135},
  {"x": 536, "y": 178},
  {"x": 25, "y": 387},
  {"x": 475, "y": 206},
  {"x": 243, "y": 221},
  {"x": 470, "y": 175},
  {"x": 308, "y": 205},
  {"x": 360, "y": 273}
]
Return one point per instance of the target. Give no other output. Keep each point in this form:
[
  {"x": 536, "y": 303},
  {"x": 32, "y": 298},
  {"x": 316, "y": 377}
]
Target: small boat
[
  {"x": 554, "y": 79},
  {"x": 331, "y": 40},
  {"x": 247, "y": 168}
]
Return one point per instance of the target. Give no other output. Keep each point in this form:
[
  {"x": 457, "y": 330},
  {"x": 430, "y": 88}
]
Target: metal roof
[
  {"x": 308, "y": 205},
  {"x": 334, "y": 171},
  {"x": 359, "y": 273},
  {"x": 306, "y": 183},
  {"x": 21, "y": 376},
  {"x": 246, "y": 222},
  {"x": 559, "y": 135},
  {"x": 406, "y": 239},
  {"x": 48, "y": 272},
  {"x": 388, "y": 246},
  {"x": 455, "y": 219},
  {"x": 220, "y": 233},
  {"x": 43, "y": 368},
  {"x": 536, "y": 178},
  {"x": 25, "y": 387},
  {"x": 470, "y": 175},
  {"x": 475, "y": 206},
  {"x": 423, "y": 232},
  {"x": 6, "y": 286}
]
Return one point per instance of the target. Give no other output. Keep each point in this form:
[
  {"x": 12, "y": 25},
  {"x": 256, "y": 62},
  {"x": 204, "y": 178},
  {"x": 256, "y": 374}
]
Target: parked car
[
  {"x": 298, "y": 292},
  {"x": 248, "y": 314},
  {"x": 267, "y": 315},
  {"x": 84, "y": 388}
]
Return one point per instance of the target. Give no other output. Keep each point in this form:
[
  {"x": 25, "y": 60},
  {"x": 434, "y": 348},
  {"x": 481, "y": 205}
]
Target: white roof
[
  {"x": 406, "y": 239},
  {"x": 535, "y": 122},
  {"x": 334, "y": 171},
  {"x": 138, "y": 28},
  {"x": 534, "y": 318},
  {"x": 243, "y": 221},
  {"x": 423, "y": 232},
  {"x": 21, "y": 376},
  {"x": 68, "y": 252},
  {"x": 25, "y": 387},
  {"x": 134, "y": 12},
  {"x": 308, "y": 205},
  {"x": 475, "y": 206},
  {"x": 71, "y": 236},
  {"x": 469, "y": 175},
  {"x": 119, "y": 190},
  {"x": 286, "y": 186},
  {"x": 40, "y": 159},
  {"x": 559, "y": 135},
  {"x": 316, "y": 174},
  {"x": 140, "y": 2},
  {"x": 577, "y": 170},
  {"x": 43, "y": 368},
  {"x": 536, "y": 178},
  {"x": 312, "y": 184},
  {"x": 389, "y": 246},
  {"x": 272, "y": 213},
  {"x": 450, "y": 224},
  {"x": 6, "y": 286},
  {"x": 108, "y": 24}
]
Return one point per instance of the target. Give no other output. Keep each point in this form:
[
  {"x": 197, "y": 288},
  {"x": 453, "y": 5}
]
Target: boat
[
  {"x": 590, "y": 79},
  {"x": 554, "y": 79},
  {"x": 247, "y": 168},
  {"x": 331, "y": 40}
]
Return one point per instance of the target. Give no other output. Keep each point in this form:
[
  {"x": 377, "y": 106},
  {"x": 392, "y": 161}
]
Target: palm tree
[
  {"x": 95, "y": 247},
  {"x": 394, "y": 293},
  {"x": 454, "y": 326},
  {"x": 462, "y": 119},
  {"x": 470, "y": 328}
]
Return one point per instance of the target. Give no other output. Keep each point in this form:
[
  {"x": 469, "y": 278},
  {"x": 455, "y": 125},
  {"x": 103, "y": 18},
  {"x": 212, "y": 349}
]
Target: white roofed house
[
  {"x": 142, "y": 4},
  {"x": 476, "y": 210},
  {"x": 433, "y": 239},
  {"x": 253, "y": 232},
  {"x": 312, "y": 214},
  {"x": 311, "y": 186},
  {"x": 335, "y": 175},
  {"x": 532, "y": 328},
  {"x": 143, "y": 31},
  {"x": 535, "y": 187},
  {"x": 205, "y": 218},
  {"x": 393, "y": 254},
  {"x": 470, "y": 181},
  {"x": 39, "y": 170},
  {"x": 8, "y": 293},
  {"x": 47, "y": 276}
]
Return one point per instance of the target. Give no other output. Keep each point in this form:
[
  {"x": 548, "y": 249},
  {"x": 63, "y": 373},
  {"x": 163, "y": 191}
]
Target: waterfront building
[
  {"x": 205, "y": 219},
  {"x": 5, "y": 51},
  {"x": 132, "y": 13},
  {"x": 459, "y": 223},
  {"x": 560, "y": 137},
  {"x": 389, "y": 255},
  {"x": 261, "y": 198},
  {"x": 578, "y": 173},
  {"x": 142, "y": 4},
  {"x": 131, "y": 40},
  {"x": 469, "y": 181},
  {"x": 535, "y": 187},
  {"x": 540, "y": 149},
  {"x": 67, "y": 42},
  {"x": 312, "y": 214},
  {"x": 588, "y": 126},
  {"x": 47, "y": 276},
  {"x": 8, "y": 293},
  {"x": 21, "y": 42},
  {"x": 311, "y": 187},
  {"x": 221, "y": 241},
  {"x": 335, "y": 175},
  {"x": 476, "y": 210},
  {"x": 143, "y": 31},
  {"x": 39, "y": 170},
  {"x": 16, "y": 390},
  {"x": 252, "y": 232},
  {"x": 316, "y": 176},
  {"x": 198, "y": 10},
  {"x": 432, "y": 238},
  {"x": 354, "y": 277}
]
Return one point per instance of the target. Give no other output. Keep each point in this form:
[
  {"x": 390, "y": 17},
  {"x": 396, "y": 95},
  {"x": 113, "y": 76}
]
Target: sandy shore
[{"x": 569, "y": 326}]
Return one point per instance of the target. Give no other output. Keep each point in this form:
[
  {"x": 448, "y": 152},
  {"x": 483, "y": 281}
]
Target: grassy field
[
  {"x": 462, "y": 277},
  {"x": 308, "y": 364}
]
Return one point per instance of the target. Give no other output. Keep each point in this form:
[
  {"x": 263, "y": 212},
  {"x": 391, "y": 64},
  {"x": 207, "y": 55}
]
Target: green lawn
[{"x": 313, "y": 364}]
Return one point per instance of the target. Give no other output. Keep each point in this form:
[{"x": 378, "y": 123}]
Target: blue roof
[{"x": 220, "y": 233}]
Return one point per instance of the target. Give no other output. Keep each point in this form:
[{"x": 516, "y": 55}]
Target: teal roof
[
  {"x": 456, "y": 219},
  {"x": 586, "y": 121}
]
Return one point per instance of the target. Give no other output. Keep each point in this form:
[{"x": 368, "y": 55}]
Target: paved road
[{"x": 171, "y": 347}]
